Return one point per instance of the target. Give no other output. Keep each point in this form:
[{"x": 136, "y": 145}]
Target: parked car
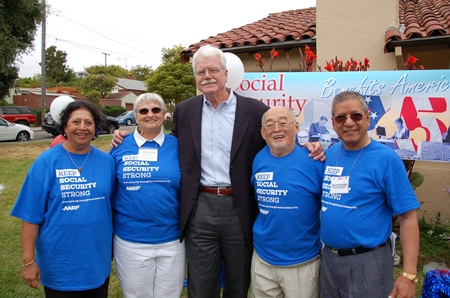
[
  {"x": 14, "y": 131},
  {"x": 126, "y": 118},
  {"x": 20, "y": 115},
  {"x": 109, "y": 124}
]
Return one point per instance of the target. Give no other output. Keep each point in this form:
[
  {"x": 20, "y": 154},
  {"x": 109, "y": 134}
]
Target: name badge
[
  {"x": 148, "y": 154},
  {"x": 340, "y": 184}
]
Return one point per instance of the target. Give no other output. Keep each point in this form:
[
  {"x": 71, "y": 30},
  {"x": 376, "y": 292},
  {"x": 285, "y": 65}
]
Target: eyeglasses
[
  {"x": 282, "y": 125},
  {"x": 144, "y": 111},
  {"x": 212, "y": 71},
  {"x": 356, "y": 117}
]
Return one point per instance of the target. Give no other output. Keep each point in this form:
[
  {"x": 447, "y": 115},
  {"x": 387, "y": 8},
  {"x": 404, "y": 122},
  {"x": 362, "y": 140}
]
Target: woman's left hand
[{"x": 31, "y": 275}]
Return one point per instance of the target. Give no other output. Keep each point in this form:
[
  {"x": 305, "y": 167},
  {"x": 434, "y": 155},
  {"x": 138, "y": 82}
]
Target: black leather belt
[
  {"x": 220, "y": 191},
  {"x": 354, "y": 251}
]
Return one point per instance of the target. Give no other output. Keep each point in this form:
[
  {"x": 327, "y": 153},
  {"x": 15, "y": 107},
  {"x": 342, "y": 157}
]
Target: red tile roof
[
  {"x": 292, "y": 25},
  {"x": 422, "y": 19}
]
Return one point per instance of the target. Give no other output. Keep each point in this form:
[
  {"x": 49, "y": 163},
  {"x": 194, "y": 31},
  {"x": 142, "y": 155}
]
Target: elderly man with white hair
[{"x": 286, "y": 233}]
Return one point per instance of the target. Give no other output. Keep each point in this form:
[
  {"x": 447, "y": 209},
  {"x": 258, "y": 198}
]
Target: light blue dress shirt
[{"x": 217, "y": 135}]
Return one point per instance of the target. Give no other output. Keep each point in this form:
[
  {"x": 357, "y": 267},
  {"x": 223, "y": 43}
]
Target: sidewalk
[{"x": 35, "y": 128}]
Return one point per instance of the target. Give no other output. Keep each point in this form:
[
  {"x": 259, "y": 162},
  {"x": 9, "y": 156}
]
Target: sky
[{"x": 134, "y": 32}]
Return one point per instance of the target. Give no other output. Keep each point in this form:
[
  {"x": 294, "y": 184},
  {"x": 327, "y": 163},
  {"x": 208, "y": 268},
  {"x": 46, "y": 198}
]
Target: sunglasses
[
  {"x": 356, "y": 117},
  {"x": 144, "y": 111}
]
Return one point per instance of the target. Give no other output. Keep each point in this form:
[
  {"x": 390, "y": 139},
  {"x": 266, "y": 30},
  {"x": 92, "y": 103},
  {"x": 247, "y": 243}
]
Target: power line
[
  {"x": 56, "y": 13},
  {"x": 117, "y": 34},
  {"x": 87, "y": 46}
]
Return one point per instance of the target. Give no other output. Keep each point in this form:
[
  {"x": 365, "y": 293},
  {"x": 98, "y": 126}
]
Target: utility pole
[
  {"x": 105, "y": 57},
  {"x": 43, "y": 89}
]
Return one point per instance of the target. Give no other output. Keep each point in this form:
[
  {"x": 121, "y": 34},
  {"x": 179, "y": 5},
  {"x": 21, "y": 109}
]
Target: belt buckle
[
  {"x": 335, "y": 251},
  {"x": 218, "y": 190}
]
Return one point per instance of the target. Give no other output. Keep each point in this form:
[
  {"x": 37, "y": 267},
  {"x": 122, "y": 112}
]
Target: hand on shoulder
[{"x": 117, "y": 139}]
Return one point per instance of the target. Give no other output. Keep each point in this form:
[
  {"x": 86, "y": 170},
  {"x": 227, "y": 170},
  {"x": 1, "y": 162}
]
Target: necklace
[
  {"x": 353, "y": 163},
  {"x": 79, "y": 168},
  {"x": 339, "y": 154}
]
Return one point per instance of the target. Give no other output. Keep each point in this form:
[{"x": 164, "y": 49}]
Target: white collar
[{"x": 140, "y": 140}]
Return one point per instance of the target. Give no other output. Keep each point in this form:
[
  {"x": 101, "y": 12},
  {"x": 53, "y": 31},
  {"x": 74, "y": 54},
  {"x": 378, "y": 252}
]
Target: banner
[{"x": 408, "y": 109}]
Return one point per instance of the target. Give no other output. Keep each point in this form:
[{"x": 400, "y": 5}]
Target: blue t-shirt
[
  {"x": 379, "y": 187},
  {"x": 146, "y": 205},
  {"x": 73, "y": 211},
  {"x": 286, "y": 231}
]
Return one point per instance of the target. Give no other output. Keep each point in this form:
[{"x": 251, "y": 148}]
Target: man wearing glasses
[
  {"x": 286, "y": 235},
  {"x": 302, "y": 137},
  {"x": 363, "y": 185}
]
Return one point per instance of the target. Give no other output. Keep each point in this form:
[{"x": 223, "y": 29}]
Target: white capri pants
[{"x": 150, "y": 270}]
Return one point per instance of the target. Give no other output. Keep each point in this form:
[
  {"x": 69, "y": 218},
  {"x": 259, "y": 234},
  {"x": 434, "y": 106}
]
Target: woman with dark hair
[
  {"x": 401, "y": 132},
  {"x": 65, "y": 209}
]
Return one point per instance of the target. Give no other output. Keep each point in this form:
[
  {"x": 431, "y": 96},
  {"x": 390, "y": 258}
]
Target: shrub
[{"x": 113, "y": 111}]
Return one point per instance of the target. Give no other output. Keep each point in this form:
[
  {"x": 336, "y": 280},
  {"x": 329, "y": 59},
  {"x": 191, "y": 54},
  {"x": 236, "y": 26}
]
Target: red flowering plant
[
  {"x": 410, "y": 61},
  {"x": 350, "y": 65},
  {"x": 260, "y": 60},
  {"x": 273, "y": 55},
  {"x": 307, "y": 60},
  {"x": 288, "y": 61}
]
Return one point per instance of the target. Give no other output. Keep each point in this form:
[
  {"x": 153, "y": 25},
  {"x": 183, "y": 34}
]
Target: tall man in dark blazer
[{"x": 219, "y": 134}]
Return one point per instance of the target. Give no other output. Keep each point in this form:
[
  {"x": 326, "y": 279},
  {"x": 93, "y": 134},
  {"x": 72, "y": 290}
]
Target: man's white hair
[{"x": 209, "y": 51}]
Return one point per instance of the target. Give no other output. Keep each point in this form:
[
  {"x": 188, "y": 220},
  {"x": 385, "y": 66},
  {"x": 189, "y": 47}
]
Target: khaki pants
[{"x": 299, "y": 281}]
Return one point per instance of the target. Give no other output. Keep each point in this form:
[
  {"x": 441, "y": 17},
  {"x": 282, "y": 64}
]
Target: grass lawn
[{"x": 15, "y": 160}]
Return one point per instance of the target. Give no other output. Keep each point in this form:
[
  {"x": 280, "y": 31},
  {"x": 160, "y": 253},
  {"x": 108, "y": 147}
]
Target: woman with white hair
[{"x": 150, "y": 259}]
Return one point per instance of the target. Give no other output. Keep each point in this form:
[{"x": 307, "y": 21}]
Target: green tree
[
  {"x": 56, "y": 69},
  {"x": 172, "y": 80},
  {"x": 141, "y": 72},
  {"x": 96, "y": 86},
  {"x": 18, "y": 24},
  {"x": 29, "y": 82},
  {"x": 93, "y": 96},
  {"x": 115, "y": 71}
]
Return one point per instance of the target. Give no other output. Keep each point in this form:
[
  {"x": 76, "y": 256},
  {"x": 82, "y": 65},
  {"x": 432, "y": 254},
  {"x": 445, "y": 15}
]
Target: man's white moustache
[{"x": 208, "y": 82}]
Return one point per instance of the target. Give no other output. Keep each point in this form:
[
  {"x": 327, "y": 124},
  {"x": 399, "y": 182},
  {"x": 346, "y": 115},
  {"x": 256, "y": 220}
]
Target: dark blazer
[{"x": 246, "y": 143}]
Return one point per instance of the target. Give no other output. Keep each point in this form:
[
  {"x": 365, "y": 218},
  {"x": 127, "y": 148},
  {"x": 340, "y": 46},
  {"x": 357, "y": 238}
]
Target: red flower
[
  {"x": 309, "y": 59},
  {"x": 329, "y": 67},
  {"x": 274, "y": 54},
  {"x": 412, "y": 59},
  {"x": 260, "y": 61},
  {"x": 366, "y": 61}
]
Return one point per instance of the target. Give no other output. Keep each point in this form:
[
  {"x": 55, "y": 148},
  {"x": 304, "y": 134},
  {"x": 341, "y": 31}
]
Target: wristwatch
[{"x": 411, "y": 277}]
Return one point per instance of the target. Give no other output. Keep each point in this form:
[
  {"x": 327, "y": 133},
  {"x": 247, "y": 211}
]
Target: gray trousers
[
  {"x": 214, "y": 233},
  {"x": 366, "y": 275}
]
